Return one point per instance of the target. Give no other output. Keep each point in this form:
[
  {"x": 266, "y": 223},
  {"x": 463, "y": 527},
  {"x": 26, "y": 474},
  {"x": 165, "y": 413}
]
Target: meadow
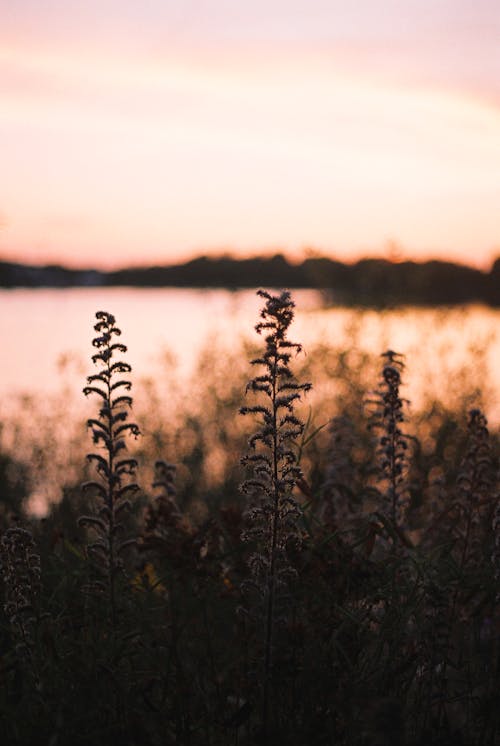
[{"x": 277, "y": 549}]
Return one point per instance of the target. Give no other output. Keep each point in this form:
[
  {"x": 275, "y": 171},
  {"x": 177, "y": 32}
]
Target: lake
[{"x": 46, "y": 334}]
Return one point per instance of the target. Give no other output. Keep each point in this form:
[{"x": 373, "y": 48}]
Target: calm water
[
  {"x": 46, "y": 340},
  {"x": 46, "y": 334}
]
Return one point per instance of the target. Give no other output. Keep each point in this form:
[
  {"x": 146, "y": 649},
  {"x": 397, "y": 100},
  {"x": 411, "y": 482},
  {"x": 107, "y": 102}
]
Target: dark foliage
[
  {"x": 386, "y": 627},
  {"x": 370, "y": 282}
]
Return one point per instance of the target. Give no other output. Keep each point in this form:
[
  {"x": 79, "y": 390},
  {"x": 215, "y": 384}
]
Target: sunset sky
[{"x": 139, "y": 132}]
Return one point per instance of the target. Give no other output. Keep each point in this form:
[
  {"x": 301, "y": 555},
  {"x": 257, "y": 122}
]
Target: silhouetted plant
[
  {"x": 392, "y": 441},
  {"x": 164, "y": 484},
  {"x": 21, "y": 578},
  {"x": 476, "y": 496},
  {"x": 20, "y": 567},
  {"x": 272, "y": 519},
  {"x": 165, "y": 528},
  {"x": 114, "y": 471},
  {"x": 340, "y": 641}
]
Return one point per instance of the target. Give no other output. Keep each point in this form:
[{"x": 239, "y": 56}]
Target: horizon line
[{"x": 263, "y": 256}]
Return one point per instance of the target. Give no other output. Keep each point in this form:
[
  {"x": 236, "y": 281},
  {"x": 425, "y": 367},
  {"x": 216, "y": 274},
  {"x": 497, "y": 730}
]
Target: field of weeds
[{"x": 281, "y": 553}]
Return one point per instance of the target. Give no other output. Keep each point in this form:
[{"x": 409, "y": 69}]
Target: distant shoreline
[{"x": 368, "y": 282}]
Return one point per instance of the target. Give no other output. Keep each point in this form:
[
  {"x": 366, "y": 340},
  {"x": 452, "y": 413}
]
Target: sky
[{"x": 152, "y": 132}]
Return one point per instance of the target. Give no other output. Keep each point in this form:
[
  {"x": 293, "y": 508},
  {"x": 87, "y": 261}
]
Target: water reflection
[
  {"x": 187, "y": 355},
  {"x": 46, "y": 334}
]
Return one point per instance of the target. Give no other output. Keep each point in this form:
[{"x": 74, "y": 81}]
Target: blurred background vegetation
[{"x": 391, "y": 636}]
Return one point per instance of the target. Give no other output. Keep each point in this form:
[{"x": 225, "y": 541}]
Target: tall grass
[{"x": 349, "y": 596}]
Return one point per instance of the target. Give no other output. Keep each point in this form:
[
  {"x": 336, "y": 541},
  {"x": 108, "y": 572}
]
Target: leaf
[
  {"x": 120, "y": 367},
  {"x": 93, "y": 522},
  {"x": 102, "y": 376},
  {"x": 121, "y": 400},
  {"x": 310, "y": 437},
  {"x": 118, "y": 509},
  {"x": 133, "y": 487},
  {"x": 94, "y": 390},
  {"x": 100, "y": 425},
  {"x": 102, "y": 464},
  {"x": 93, "y": 485},
  {"x": 129, "y": 426},
  {"x": 117, "y": 384}
]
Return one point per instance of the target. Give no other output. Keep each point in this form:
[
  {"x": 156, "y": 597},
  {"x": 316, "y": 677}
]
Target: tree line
[{"x": 369, "y": 282}]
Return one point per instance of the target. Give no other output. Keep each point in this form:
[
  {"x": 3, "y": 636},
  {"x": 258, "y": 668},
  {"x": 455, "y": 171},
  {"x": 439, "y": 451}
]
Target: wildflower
[
  {"x": 476, "y": 492},
  {"x": 272, "y": 518},
  {"x": 163, "y": 522},
  {"x": 392, "y": 443},
  {"x": 114, "y": 471}
]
